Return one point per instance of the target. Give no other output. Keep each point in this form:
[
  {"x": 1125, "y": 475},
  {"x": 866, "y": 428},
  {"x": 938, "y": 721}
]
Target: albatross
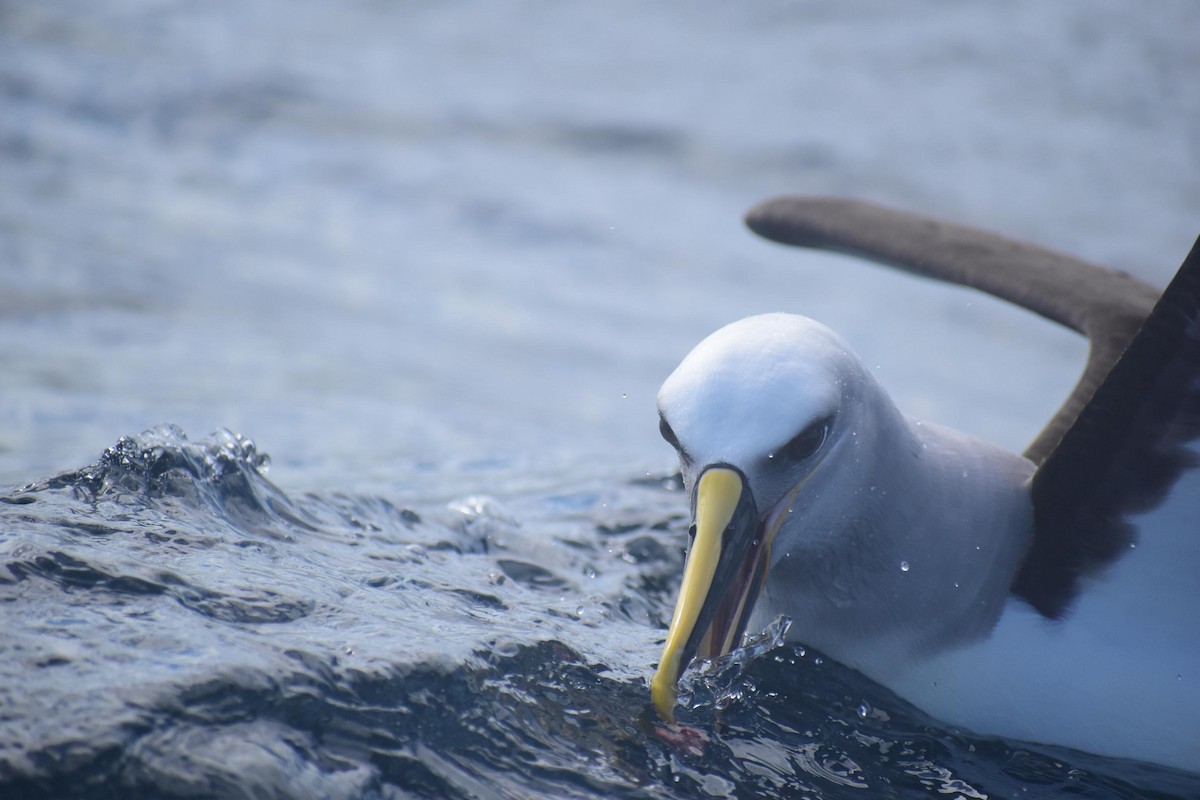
[{"x": 1051, "y": 596}]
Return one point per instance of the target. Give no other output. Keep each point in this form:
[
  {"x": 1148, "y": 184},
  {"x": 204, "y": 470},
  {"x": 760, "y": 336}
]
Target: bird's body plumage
[{"x": 1050, "y": 598}]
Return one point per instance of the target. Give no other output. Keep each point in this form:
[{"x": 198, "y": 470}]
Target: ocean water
[
  {"x": 434, "y": 259},
  {"x": 178, "y": 626}
]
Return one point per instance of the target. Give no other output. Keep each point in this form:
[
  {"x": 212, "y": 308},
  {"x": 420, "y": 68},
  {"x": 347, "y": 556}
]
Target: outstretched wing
[
  {"x": 1124, "y": 452},
  {"x": 1105, "y": 305}
]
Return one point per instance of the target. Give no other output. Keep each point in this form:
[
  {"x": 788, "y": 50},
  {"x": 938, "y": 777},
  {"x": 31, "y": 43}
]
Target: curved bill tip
[{"x": 663, "y": 688}]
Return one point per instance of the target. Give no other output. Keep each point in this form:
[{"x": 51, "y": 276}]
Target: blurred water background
[{"x": 434, "y": 258}]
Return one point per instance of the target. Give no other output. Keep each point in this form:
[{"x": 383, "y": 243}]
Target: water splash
[
  {"x": 721, "y": 682},
  {"x": 161, "y": 461}
]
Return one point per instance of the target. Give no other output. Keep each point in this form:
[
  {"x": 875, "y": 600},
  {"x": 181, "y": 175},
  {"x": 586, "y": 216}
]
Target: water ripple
[{"x": 177, "y": 625}]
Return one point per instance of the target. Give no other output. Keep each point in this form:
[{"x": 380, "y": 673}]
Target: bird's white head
[
  {"x": 745, "y": 393},
  {"x": 765, "y": 414}
]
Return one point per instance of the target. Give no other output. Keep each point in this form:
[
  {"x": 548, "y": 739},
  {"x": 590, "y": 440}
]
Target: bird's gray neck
[{"x": 909, "y": 547}]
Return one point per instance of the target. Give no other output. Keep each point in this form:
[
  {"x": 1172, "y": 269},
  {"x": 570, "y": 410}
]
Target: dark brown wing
[
  {"x": 1105, "y": 305},
  {"x": 1124, "y": 452}
]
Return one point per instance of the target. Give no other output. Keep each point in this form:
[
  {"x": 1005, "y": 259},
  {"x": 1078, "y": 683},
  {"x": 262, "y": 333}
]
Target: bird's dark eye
[
  {"x": 807, "y": 442},
  {"x": 672, "y": 440},
  {"x": 668, "y": 434}
]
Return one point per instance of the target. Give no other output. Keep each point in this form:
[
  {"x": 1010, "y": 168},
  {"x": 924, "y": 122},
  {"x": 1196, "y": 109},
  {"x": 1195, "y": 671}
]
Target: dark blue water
[
  {"x": 177, "y": 626},
  {"x": 436, "y": 258}
]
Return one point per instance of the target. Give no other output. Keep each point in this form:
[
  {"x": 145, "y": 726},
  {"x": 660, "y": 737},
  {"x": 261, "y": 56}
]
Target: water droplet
[
  {"x": 863, "y": 710},
  {"x": 904, "y": 566},
  {"x": 770, "y": 455}
]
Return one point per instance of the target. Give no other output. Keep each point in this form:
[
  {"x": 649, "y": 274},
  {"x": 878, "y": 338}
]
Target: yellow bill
[{"x": 721, "y": 503}]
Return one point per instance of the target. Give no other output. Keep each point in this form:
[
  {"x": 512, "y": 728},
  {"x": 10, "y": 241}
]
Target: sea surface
[{"x": 330, "y": 335}]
